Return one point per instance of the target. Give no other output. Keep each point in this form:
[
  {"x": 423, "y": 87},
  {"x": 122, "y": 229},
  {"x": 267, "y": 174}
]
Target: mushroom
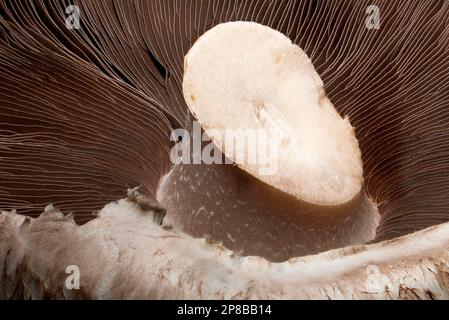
[{"x": 87, "y": 114}]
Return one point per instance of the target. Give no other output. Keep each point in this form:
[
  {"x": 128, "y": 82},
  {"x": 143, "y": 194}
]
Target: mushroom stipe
[{"x": 314, "y": 201}]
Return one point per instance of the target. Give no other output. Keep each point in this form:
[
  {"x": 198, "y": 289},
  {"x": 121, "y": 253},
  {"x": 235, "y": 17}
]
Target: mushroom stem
[
  {"x": 252, "y": 218},
  {"x": 248, "y": 79}
]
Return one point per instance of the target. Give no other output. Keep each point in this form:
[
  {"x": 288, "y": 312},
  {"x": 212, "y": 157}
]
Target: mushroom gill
[
  {"x": 86, "y": 114},
  {"x": 70, "y": 135}
]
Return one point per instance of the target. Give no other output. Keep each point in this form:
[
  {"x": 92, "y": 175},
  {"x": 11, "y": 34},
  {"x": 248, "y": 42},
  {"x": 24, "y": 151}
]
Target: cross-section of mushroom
[{"x": 358, "y": 115}]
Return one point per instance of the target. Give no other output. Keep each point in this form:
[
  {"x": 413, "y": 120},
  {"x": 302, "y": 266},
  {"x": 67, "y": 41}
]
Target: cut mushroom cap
[
  {"x": 167, "y": 264},
  {"x": 243, "y": 76}
]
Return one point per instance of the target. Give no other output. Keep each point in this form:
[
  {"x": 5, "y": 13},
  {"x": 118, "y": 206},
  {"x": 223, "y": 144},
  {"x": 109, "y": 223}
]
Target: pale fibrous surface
[
  {"x": 124, "y": 254},
  {"x": 243, "y": 75}
]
